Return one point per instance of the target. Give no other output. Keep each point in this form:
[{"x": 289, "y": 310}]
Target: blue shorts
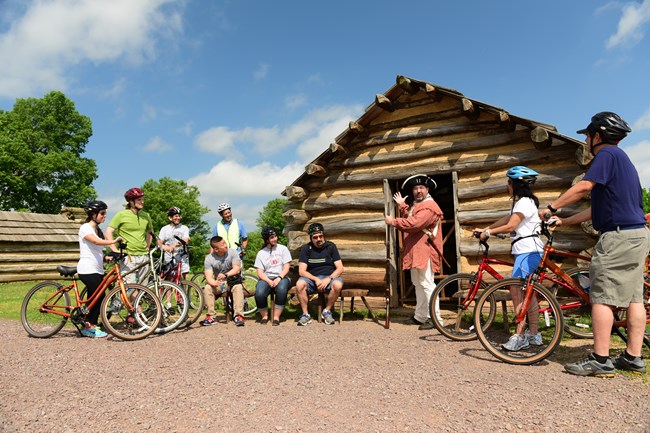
[
  {"x": 525, "y": 264},
  {"x": 311, "y": 286}
]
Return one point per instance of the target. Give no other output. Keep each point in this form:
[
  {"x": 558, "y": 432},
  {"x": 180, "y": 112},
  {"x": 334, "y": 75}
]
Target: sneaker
[
  {"x": 99, "y": 333},
  {"x": 637, "y": 365},
  {"x": 590, "y": 367},
  {"x": 416, "y": 321},
  {"x": 534, "y": 340},
  {"x": 304, "y": 320},
  {"x": 276, "y": 323},
  {"x": 326, "y": 316},
  {"x": 264, "y": 321},
  {"x": 88, "y": 332},
  {"x": 426, "y": 325},
  {"x": 207, "y": 321},
  {"x": 239, "y": 320},
  {"x": 515, "y": 343}
]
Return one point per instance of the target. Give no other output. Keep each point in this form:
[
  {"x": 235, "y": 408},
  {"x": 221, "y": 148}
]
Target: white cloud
[
  {"x": 157, "y": 145},
  {"x": 149, "y": 113},
  {"x": 262, "y": 72},
  {"x": 51, "y": 37},
  {"x": 643, "y": 122},
  {"x": 295, "y": 101},
  {"x": 630, "y": 31},
  {"x": 116, "y": 90},
  {"x": 640, "y": 157},
  {"x": 310, "y": 135}
]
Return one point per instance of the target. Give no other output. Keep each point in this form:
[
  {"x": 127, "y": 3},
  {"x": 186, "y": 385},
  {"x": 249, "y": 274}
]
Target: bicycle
[
  {"x": 550, "y": 312},
  {"x": 129, "y": 316},
  {"x": 172, "y": 271},
  {"x": 455, "y": 298},
  {"x": 176, "y": 307}
]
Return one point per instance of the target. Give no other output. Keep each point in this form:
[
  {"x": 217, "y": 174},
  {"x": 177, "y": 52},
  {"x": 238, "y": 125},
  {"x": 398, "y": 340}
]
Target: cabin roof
[{"x": 408, "y": 85}]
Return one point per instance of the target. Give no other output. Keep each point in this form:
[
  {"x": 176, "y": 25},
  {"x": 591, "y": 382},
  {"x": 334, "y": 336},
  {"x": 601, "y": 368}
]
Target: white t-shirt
[
  {"x": 91, "y": 258},
  {"x": 272, "y": 261},
  {"x": 530, "y": 224},
  {"x": 167, "y": 234}
]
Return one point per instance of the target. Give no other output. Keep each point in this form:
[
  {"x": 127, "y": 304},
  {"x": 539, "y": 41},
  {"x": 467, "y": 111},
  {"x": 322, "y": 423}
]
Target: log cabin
[
  {"x": 32, "y": 245},
  {"x": 465, "y": 145}
]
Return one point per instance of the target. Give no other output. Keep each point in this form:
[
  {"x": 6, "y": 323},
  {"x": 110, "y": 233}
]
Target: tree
[
  {"x": 646, "y": 199},
  {"x": 41, "y": 167},
  {"x": 165, "y": 193}
]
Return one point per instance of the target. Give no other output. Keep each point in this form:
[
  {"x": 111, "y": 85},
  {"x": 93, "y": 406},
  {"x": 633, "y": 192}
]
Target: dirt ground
[{"x": 355, "y": 377}]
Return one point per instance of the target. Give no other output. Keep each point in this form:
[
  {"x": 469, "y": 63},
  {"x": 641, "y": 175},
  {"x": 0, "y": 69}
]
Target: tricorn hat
[{"x": 418, "y": 179}]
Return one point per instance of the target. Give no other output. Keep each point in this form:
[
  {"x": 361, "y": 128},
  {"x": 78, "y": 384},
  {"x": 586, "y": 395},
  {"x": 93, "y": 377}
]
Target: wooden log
[
  {"x": 351, "y": 224},
  {"x": 38, "y": 256},
  {"x": 384, "y": 102},
  {"x": 315, "y": 170},
  {"x": 295, "y": 193},
  {"x": 366, "y": 201},
  {"x": 356, "y": 128},
  {"x": 296, "y": 216},
  {"x": 491, "y": 215},
  {"x": 583, "y": 155},
  {"x": 16, "y": 247},
  {"x": 407, "y": 84},
  {"x": 338, "y": 149},
  {"x": 506, "y": 121},
  {"x": 469, "y": 247},
  {"x": 541, "y": 138},
  {"x": 469, "y": 109}
]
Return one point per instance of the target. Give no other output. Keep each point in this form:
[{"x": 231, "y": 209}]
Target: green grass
[{"x": 11, "y": 298}]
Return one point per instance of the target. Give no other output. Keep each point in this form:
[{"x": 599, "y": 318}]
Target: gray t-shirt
[{"x": 221, "y": 264}]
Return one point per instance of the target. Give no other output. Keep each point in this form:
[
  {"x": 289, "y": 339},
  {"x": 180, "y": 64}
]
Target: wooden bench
[
  {"x": 352, "y": 293},
  {"x": 322, "y": 301}
]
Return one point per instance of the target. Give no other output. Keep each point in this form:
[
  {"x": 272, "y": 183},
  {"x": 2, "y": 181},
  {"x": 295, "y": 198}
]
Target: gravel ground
[{"x": 357, "y": 377}]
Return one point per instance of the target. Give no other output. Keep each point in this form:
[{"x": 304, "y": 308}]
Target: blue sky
[{"x": 237, "y": 97}]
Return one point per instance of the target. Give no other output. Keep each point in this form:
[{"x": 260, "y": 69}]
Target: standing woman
[
  {"x": 272, "y": 263},
  {"x": 523, "y": 225},
  {"x": 91, "y": 261}
]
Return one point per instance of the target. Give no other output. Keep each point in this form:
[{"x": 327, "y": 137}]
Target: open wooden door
[{"x": 391, "y": 255}]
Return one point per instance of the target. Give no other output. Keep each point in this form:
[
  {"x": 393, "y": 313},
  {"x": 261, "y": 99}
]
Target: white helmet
[{"x": 222, "y": 207}]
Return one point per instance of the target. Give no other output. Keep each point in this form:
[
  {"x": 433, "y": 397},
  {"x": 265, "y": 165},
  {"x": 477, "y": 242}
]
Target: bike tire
[
  {"x": 447, "y": 310},
  {"x": 198, "y": 279},
  {"x": 175, "y": 305},
  {"x": 493, "y": 337},
  {"x": 250, "y": 306},
  {"x": 577, "y": 320},
  {"x": 126, "y": 325},
  {"x": 196, "y": 302},
  {"x": 39, "y": 323}
]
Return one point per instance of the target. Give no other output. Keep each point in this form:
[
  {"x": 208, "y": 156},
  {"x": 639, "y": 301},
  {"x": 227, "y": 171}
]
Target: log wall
[{"x": 432, "y": 133}]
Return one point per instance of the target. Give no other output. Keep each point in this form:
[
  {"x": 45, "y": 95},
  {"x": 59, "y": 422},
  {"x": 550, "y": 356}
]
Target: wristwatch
[{"x": 551, "y": 208}]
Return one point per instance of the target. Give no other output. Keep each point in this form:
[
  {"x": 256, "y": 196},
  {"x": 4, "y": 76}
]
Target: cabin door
[{"x": 446, "y": 197}]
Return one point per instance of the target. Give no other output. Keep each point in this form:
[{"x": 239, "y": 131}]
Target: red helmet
[{"x": 133, "y": 193}]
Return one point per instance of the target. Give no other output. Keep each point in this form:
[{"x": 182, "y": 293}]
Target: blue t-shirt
[
  {"x": 616, "y": 199},
  {"x": 320, "y": 261}
]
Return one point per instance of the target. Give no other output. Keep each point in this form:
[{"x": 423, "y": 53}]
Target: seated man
[
  {"x": 320, "y": 268},
  {"x": 223, "y": 267}
]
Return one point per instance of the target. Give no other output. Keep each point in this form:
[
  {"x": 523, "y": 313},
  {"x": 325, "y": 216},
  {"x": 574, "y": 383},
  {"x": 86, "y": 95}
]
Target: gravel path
[{"x": 357, "y": 377}]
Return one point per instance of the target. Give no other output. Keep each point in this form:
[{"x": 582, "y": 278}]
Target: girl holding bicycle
[
  {"x": 523, "y": 226},
  {"x": 91, "y": 261}
]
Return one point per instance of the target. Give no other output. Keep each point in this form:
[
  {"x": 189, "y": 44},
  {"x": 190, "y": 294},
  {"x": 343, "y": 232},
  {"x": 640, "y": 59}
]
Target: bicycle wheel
[
  {"x": 34, "y": 315},
  {"x": 175, "y": 303},
  {"x": 577, "y": 313},
  {"x": 136, "y": 324},
  {"x": 196, "y": 301},
  {"x": 549, "y": 318},
  {"x": 620, "y": 320},
  {"x": 250, "y": 307},
  {"x": 198, "y": 279},
  {"x": 450, "y": 316}
]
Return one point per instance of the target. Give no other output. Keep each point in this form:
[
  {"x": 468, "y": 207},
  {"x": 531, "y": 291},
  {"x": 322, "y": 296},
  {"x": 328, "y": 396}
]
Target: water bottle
[{"x": 584, "y": 281}]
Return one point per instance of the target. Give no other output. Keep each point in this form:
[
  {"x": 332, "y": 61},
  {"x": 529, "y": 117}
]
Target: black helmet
[
  {"x": 315, "y": 228},
  {"x": 267, "y": 232},
  {"x": 95, "y": 206},
  {"x": 173, "y": 211},
  {"x": 610, "y": 126}
]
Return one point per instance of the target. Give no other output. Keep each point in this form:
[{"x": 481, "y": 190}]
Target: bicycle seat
[{"x": 66, "y": 271}]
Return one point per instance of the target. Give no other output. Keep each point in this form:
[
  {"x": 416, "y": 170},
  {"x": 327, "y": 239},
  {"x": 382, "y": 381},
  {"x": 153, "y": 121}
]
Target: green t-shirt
[{"x": 133, "y": 228}]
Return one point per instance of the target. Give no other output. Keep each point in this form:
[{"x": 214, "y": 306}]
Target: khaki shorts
[{"x": 618, "y": 266}]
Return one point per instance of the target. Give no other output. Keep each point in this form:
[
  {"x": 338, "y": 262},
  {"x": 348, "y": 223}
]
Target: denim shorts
[
  {"x": 311, "y": 286},
  {"x": 525, "y": 264}
]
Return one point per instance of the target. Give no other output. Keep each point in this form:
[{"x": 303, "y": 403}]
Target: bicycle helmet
[
  {"x": 222, "y": 207},
  {"x": 133, "y": 193},
  {"x": 418, "y": 179},
  {"x": 173, "y": 211},
  {"x": 95, "y": 206},
  {"x": 315, "y": 228},
  {"x": 610, "y": 126},
  {"x": 525, "y": 174},
  {"x": 267, "y": 232}
]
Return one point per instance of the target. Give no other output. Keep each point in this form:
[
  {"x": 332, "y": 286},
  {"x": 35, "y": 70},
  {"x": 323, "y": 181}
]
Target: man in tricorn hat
[{"x": 422, "y": 252}]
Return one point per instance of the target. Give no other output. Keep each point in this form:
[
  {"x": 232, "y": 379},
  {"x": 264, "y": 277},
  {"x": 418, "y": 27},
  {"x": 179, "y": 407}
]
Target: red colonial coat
[{"x": 417, "y": 248}]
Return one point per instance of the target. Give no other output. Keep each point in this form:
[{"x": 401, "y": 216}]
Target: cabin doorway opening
[{"x": 446, "y": 197}]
